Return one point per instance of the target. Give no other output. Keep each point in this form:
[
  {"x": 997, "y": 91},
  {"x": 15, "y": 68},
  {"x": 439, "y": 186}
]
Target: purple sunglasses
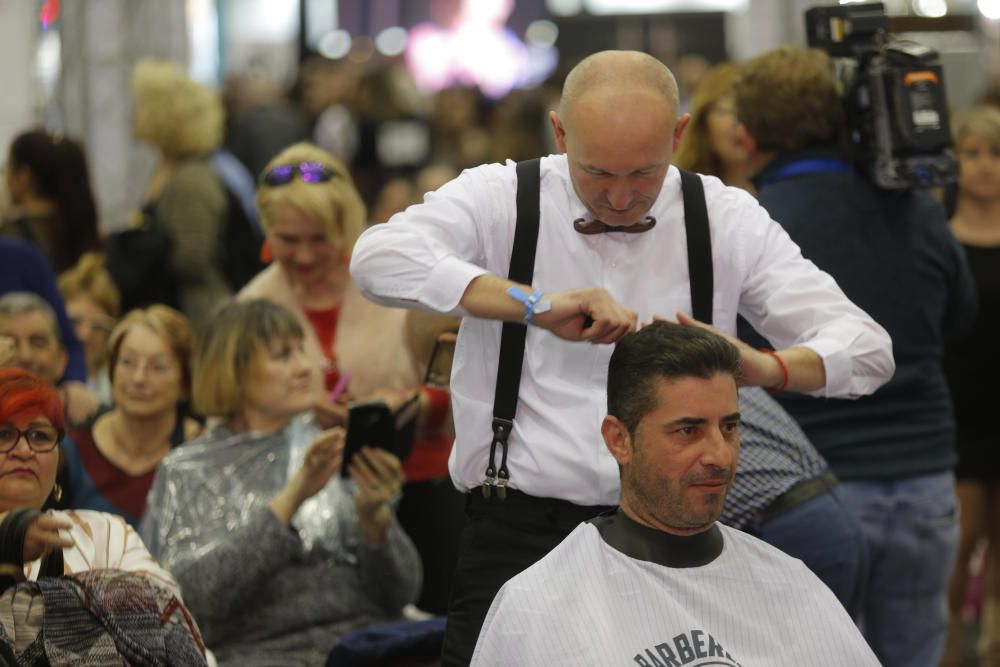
[{"x": 309, "y": 172}]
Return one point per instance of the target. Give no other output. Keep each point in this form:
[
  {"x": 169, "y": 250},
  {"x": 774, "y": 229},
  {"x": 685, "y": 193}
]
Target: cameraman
[{"x": 893, "y": 254}]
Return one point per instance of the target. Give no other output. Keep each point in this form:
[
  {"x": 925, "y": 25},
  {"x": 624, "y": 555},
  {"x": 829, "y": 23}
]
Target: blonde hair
[
  {"x": 167, "y": 323},
  {"x": 335, "y": 203},
  {"x": 231, "y": 339},
  {"x": 696, "y": 152},
  {"x": 982, "y": 122},
  {"x": 179, "y": 116},
  {"x": 89, "y": 278}
]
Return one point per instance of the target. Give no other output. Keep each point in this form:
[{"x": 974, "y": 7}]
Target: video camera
[{"x": 894, "y": 95}]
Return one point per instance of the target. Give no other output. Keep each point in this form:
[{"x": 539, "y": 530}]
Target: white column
[
  {"x": 101, "y": 41},
  {"x": 18, "y": 103}
]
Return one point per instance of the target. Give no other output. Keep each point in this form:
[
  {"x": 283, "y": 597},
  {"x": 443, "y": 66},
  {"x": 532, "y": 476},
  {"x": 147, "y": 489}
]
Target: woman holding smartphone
[
  {"x": 312, "y": 215},
  {"x": 278, "y": 556}
]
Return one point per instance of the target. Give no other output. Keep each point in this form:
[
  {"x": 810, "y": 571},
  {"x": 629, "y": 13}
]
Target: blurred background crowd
[{"x": 164, "y": 158}]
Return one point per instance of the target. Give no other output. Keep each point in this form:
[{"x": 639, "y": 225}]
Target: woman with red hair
[
  {"x": 83, "y": 564},
  {"x": 33, "y": 542}
]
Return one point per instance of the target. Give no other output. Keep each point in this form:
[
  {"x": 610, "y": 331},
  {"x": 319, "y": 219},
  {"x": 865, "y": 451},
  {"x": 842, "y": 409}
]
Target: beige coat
[{"x": 370, "y": 342}]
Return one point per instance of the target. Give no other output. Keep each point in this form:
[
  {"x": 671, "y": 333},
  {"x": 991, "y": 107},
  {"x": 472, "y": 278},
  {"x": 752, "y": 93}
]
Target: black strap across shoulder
[
  {"x": 512, "y": 337},
  {"x": 522, "y": 269},
  {"x": 699, "y": 246}
]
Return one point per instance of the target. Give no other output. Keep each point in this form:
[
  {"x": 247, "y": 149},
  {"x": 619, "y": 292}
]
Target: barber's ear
[
  {"x": 617, "y": 439},
  {"x": 558, "y": 131},
  {"x": 682, "y": 123}
]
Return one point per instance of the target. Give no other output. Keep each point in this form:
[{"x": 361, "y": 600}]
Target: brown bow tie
[{"x": 598, "y": 227}]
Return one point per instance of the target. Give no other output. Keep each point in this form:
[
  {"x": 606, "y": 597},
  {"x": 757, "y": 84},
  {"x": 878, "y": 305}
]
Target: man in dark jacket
[{"x": 893, "y": 254}]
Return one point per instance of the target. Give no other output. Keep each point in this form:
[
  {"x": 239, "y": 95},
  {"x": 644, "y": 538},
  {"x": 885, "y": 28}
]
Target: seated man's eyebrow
[{"x": 688, "y": 421}]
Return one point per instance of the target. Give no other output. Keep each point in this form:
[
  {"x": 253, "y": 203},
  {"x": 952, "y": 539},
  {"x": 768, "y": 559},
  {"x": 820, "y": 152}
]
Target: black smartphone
[{"x": 375, "y": 425}]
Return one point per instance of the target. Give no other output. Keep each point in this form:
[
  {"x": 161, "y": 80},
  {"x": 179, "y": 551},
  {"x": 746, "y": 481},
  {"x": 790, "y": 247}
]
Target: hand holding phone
[{"x": 375, "y": 425}]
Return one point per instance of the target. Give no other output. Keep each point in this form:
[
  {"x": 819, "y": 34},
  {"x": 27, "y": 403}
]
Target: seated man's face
[
  {"x": 36, "y": 347},
  {"x": 684, "y": 454}
]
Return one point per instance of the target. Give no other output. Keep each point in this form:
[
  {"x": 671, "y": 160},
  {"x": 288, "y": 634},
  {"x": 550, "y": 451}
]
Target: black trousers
[
  {"x": 432, "y": 513},
  {"x": 501, "y": 538}
]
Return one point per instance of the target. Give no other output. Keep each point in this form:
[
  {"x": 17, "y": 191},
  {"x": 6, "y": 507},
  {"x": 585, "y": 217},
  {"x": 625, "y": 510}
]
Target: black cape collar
[{"x": 655, "y": 546}]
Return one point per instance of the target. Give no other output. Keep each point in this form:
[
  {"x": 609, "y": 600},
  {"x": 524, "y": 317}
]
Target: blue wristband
[{"x": 531, "y": 302}]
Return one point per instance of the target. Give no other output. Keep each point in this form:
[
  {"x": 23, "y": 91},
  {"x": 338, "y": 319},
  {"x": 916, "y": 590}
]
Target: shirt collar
[{"x": 768, "y": 171}]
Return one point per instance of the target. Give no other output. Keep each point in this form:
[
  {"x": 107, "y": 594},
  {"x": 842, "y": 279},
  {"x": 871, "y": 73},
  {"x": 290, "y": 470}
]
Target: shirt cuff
[
  {"x": 850, "y": 373},
  {"x": 447, "y": 283}
]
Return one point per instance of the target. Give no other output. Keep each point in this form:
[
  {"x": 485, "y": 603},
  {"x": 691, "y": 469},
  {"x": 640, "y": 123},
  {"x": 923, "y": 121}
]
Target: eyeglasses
[
  {"x": 39, "y": 438},
  {"x": 309, "y": 172}
]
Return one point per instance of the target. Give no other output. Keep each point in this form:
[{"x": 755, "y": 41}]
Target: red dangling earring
[{"x": 265, "y": 252}]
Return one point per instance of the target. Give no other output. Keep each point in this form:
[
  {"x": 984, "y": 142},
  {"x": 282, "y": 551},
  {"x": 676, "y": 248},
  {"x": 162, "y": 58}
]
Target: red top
[{"x": 324, "y": 323}]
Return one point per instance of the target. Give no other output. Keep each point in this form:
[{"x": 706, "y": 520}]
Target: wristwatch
[{"x": 532, "y": 305}]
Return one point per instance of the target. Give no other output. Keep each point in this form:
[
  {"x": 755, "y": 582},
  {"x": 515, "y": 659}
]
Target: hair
[
  {"x": 787, "y": 99},
  {"x": 982, "y": 122},
  {"x": 618, "y": 70},
  {"x": 170, "y": 325},
  {"x": 696, "y": 152},
  {"x": 335, "y": 203},
  {"x": 59, "y": 174},
  {"x": 25, "y": 394},
  {"x": 179, "y": 116},
  {"x": 230, "y": 340},
  {"x": 91, "y": 279},
  {"x": 662, "y": 350},
  {"x": 22, "y": 303}
]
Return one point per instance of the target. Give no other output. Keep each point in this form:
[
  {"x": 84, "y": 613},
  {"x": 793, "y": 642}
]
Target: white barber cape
[{"x": 588, "y": 603}]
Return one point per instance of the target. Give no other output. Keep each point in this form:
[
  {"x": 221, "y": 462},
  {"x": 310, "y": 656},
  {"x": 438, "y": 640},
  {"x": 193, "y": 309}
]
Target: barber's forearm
[
  {"x": 486, "y": 297},
  {"x": 806, "y": 371}
]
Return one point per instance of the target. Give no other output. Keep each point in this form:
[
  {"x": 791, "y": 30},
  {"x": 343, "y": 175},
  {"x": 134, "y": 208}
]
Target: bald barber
[{"x": 611, "y": 252}]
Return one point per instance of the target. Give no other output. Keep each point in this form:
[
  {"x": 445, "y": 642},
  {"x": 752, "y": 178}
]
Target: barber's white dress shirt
[
  {"x": 426, "y": 256},
  {"x": 586, "y": 603}
]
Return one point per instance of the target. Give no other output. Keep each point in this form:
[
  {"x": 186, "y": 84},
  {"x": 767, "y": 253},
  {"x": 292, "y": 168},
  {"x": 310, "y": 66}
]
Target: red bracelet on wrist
[{"x": 784, "y": 372}]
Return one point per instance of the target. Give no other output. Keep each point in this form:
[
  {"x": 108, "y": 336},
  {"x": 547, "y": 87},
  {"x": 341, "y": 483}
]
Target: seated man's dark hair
[{"x": 662, "y": 350}]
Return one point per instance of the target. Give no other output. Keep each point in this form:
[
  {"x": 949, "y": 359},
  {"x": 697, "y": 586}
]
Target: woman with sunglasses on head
[
  {"x": 279, "y": 551},
  {"x": 312, "y": 215}
]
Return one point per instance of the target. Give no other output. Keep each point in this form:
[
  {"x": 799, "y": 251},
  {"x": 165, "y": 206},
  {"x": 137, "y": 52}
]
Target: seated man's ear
[{"x": 617, "y": 439}]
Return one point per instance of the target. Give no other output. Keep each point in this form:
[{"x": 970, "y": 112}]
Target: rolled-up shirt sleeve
[
  {"x": 426, "y": 256},
  {"x": 790, "y": 301}
]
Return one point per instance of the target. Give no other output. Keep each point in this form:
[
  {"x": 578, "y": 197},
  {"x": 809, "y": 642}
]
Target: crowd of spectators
[{"x": 189, "y": 379}]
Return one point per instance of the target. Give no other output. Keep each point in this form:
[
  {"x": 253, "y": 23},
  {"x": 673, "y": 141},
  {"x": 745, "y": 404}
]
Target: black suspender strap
[
  {"x": 522, "y": 269},
  {"x": 699, "y": 246},
  {"x": 512, "y": 337}
]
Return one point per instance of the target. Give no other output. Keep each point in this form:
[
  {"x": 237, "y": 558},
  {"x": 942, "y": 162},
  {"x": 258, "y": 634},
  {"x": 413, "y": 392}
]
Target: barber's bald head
[
  {"x": 617, "y": 123},
  {"x": 607, "y": 75}
]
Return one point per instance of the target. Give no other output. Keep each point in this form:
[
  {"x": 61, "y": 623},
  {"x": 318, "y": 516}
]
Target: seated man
[
  {"x": 658, "y": 583},
  {"x": 30, "y": 339}
]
